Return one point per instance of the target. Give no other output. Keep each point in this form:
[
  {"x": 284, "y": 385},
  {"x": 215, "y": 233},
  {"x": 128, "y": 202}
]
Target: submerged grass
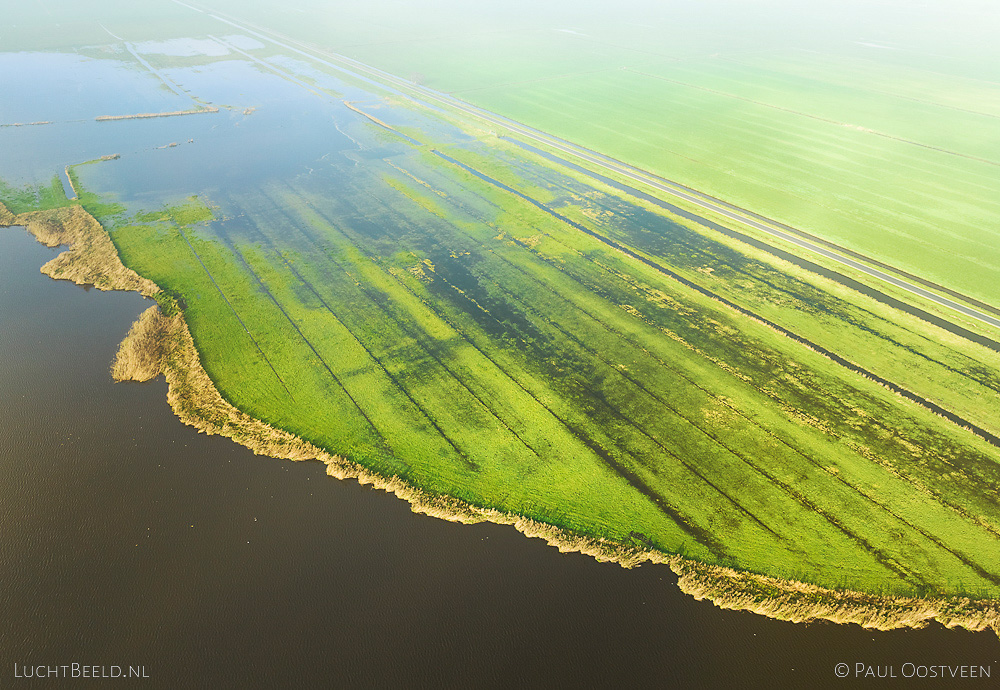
[{"x": 34, "y": 198}]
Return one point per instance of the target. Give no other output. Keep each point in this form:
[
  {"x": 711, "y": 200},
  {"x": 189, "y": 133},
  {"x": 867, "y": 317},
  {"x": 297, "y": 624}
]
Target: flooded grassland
[{"x": 341, "y": 275}]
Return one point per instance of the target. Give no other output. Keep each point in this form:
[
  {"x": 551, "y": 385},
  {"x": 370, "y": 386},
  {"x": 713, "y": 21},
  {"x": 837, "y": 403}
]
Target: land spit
[
  {"x": 27, "y": 124},
  {"x": 161, "y": 343},
  {"x": 145, "y": 116}
]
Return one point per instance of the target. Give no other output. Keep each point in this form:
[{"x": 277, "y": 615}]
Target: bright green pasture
[
  {"x": 34, "y": 198},
  {"x": 894, "y": 179},
  {"x": 428, "y": 324}
]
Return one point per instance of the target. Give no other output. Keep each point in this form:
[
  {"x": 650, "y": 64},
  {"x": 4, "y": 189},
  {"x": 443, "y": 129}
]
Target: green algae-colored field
[{"x": 488, "y": 327}]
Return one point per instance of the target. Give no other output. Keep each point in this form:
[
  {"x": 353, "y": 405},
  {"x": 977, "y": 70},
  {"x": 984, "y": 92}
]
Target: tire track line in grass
[
  {"x": 685, "y": 524},
  {"x": 466, "y": 460},
  {"x": 235, "y": 313},
  {"x": 856, "y": 85},
  {"x": 236, "y": 252}
]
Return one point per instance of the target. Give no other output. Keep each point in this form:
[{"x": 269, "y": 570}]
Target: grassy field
[
  {"x": 37, "y": 198},
  {"x": 484, "y": 326},
  {"x": 910, "y": 183},
  {"x": 431, "y": 324}
]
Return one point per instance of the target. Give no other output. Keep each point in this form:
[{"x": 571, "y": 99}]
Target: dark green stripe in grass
[
  {"x": 913, "y": 397},
  {"x": 235, "y": 313},
  {"x": 697, "y": 533},
  {"x": 470, "y": 464},
  {"x": 239, "y": 255}
]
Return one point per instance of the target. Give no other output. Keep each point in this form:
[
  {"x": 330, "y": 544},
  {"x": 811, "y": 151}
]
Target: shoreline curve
[{"x": 161, "y": 343}]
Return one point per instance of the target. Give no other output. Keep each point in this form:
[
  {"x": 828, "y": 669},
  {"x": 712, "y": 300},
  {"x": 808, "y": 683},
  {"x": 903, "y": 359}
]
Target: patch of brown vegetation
[
  {"x": 157, "y": 344},
  {"x": 141, "y": 355},
  {"x": 91, "y": 259},
  {"x": 799, "y": 602},
  {"x": 6, "y": 217}
]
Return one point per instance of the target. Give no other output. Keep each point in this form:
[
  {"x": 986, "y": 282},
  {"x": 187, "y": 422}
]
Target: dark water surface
[{"x": 127, "y": 538}]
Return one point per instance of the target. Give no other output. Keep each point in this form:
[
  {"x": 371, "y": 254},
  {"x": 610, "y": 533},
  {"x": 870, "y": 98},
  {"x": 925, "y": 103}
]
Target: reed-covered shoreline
[{"x": 160, "y": 343}]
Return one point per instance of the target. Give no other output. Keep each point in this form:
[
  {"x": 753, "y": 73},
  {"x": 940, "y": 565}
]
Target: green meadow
[
  {"x": 913, "y": 184},
  {"x": 431, "y": 324},
  {"x": 443, "y": 308}
]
